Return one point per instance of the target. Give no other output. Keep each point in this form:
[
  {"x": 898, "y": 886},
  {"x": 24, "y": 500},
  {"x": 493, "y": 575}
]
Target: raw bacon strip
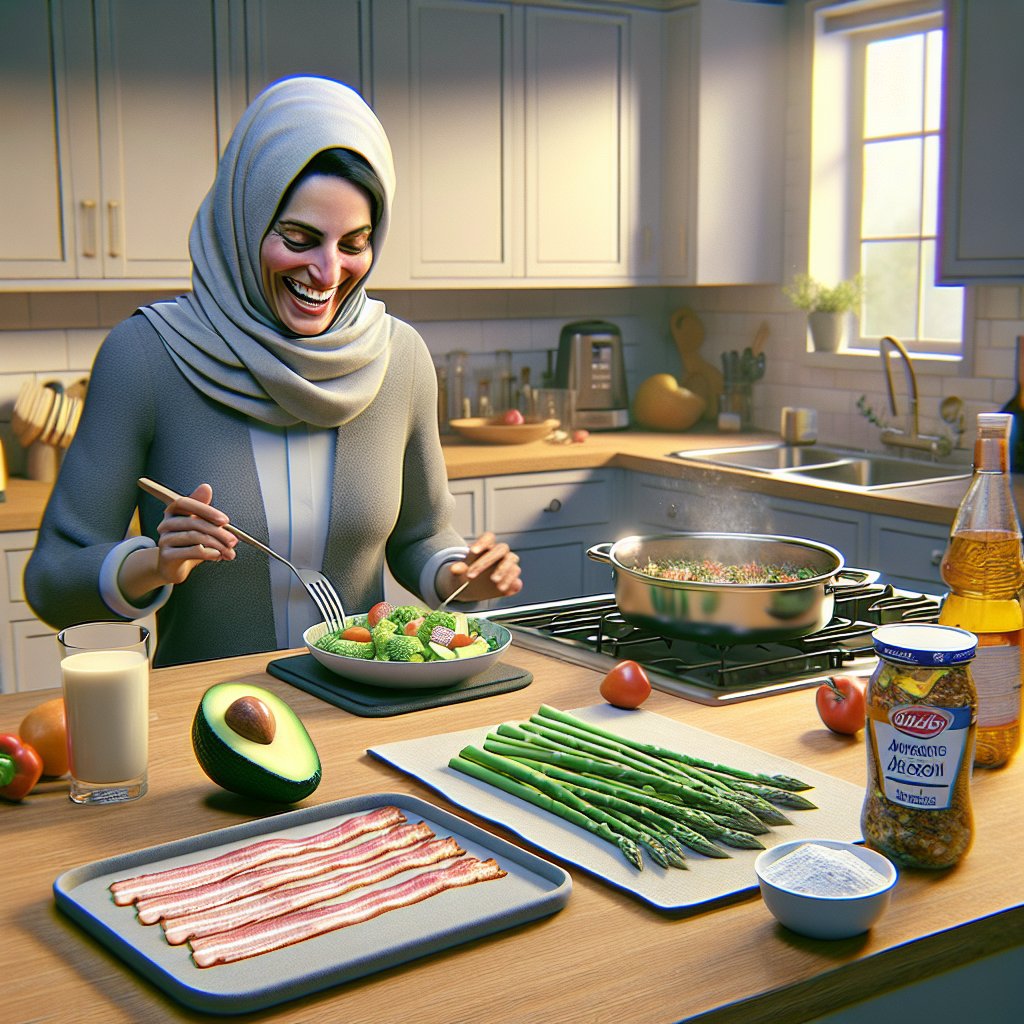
[
  {"x": 130, "y": 889},
  {"x": 254, "y": 939},
  {"x": 278, "y": 872},
  {"x": 266, "y": 905}
]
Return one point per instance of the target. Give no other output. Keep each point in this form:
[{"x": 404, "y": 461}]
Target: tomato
[
  {"x": 626, "y": 686},
  {"x": 512, "y": 418},
  {"x": 381, "y": 610},
  {"x": 841, "y": 704},
  {"x": 412, "y": 627},
  {"x": 45, "y": 728},
  {"x": 460, "y": 640},
  {"x": 360, "y": 634},
  {"x": 579, "y": 436}
]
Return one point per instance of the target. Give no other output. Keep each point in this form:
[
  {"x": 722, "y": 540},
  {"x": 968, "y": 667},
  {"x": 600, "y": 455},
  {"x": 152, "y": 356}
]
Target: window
[{"x": 875, "y": 194}]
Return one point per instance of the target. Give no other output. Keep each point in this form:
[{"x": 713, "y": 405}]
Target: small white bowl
[{"x": 824, "y": 916}]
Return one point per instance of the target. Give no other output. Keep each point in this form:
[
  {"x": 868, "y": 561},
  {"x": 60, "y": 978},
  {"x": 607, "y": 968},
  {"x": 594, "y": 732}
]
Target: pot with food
[{"x": 725, "y": 588}]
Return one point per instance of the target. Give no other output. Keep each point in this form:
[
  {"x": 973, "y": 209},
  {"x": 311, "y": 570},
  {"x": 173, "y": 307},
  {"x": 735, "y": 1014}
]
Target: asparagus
[{"x": 773, "y": 794}]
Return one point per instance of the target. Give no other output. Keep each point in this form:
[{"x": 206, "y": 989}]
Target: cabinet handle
[
  {"x": 554, "y": 505},
  {"x": 937, "y": 554},
  {"x": 89, "y": 228},
  {"x": 672, "y": 511},
  {"x": 114, "y": 227}
]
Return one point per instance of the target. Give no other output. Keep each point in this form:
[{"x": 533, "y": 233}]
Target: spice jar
[{"x": 922, "y": 710}]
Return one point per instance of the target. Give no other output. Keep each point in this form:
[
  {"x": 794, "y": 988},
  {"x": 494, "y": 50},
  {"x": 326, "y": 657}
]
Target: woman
[{"x": 306, "y": 409}]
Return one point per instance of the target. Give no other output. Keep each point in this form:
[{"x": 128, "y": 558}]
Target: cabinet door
[
  {"x": 157, "y": 67},
  {"x": 578, "y": 110},
  {"x": 908, "y": 554},
  {"x": 982, "y": 231},
  {"x": 328, "y": 38},
  {"x": 842, "y": 529}
]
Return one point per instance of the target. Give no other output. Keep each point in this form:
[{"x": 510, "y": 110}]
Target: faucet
[{"x": 910, "y": 436}]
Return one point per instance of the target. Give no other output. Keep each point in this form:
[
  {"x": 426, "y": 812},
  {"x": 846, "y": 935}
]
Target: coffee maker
[{"x": 590, "y": 363}]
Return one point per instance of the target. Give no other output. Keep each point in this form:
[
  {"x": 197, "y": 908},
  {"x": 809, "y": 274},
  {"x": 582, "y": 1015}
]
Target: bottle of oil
[{"x": 984, "y": 570}]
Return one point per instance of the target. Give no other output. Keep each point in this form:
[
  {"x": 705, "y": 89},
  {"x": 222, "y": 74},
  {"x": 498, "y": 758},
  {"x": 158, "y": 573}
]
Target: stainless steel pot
[{"x": 725, "y": 613}]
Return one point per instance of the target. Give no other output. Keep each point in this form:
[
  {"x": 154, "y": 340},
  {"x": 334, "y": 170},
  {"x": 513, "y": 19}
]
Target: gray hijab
[{"x": 222, "y": 334}]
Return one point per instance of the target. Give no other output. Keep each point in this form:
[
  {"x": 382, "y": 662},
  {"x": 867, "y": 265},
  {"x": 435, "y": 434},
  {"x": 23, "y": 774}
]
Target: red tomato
[
  {"x": 626, "y": 686},
  {"x": 381, "y": 610},
  {"x": 579, "y": 436},
  {"x": 512, "y": 418},
  {"x": 360, "y": 634},
  {"x": 841, "y": 704},
  {"x": 412, "y": 627},
  {"x": 460, "y": 640}
]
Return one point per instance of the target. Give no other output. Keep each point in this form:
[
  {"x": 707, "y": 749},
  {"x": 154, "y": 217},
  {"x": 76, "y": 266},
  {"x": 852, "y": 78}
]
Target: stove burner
[{"x": 594, "y": 625}]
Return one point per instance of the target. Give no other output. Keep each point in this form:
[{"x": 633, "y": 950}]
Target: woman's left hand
[{"x": 492, "y": 567}]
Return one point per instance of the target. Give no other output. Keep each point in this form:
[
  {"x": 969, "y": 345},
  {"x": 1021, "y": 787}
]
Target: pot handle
[
  {"x": 601, "y": 552},
  {"x": 851, "y": 579}
]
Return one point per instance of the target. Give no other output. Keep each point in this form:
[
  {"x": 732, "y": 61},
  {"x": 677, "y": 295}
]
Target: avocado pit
[{"x": 251, "y": 719}]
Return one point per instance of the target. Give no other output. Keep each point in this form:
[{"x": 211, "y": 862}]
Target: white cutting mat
[{"x": 837, "y": 815}]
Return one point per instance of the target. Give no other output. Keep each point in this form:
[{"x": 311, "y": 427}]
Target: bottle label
[
  {"x": 996, "y": 671},
  {"x": 920, "y": 752}
]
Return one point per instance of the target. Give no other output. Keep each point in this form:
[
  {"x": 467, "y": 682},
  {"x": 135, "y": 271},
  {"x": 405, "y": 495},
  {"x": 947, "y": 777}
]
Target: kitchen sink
[{"x": 837, "y": 467}]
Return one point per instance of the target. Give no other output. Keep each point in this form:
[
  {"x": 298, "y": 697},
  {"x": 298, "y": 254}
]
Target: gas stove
[{"x": 591, "y": 631}]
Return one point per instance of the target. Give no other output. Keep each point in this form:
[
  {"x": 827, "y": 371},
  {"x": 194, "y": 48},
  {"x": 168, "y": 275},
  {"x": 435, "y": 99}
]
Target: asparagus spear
[{"x": 774, "y": 795}]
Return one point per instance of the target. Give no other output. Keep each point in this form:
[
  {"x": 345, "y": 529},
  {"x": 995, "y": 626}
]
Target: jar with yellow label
[{"x": 922, "y": 710}]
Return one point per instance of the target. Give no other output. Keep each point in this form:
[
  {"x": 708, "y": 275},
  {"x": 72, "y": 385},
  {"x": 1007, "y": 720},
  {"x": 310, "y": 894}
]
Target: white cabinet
[
  {"x": 722, "y": 145},
  {"x": 103, "y": 165},
  {"x": 982, "y": 233},
  {"x": 513, "y": 133},
  {"x": 908, "y": 554}
]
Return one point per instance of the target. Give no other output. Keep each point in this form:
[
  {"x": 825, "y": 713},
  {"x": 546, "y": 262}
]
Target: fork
[{"x": 317, "y": 585}]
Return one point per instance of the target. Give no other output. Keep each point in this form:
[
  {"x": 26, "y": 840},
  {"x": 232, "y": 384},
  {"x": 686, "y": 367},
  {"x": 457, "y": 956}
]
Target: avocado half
[{"x": 285, "y": 770}]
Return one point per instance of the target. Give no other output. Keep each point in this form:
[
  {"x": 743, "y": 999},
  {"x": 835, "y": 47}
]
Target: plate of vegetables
[{"x": 408, "y": 647}]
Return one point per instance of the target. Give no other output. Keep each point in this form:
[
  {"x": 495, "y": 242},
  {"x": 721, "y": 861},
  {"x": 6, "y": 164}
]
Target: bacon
[
  {"x": 293, "y": 869},
  {"x": 255, "y": 939},
  {"x": 129, "y": 890},
  {"x": 262, "y": 906}
]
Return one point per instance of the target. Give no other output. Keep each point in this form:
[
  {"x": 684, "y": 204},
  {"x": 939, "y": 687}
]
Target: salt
[{"x": 823, "y": 871}]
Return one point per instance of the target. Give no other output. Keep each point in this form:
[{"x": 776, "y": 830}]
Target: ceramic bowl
[
  {"x": 822, "y": 916},
  {"x": 486, "y": 431}
]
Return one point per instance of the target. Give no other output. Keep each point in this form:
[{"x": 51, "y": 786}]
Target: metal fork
[{"x": 317, "y": 585}]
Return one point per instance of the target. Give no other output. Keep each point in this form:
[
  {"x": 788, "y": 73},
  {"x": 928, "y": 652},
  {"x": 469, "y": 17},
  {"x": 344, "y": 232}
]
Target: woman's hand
[
  {"x": 492, "y": 568},
  {"x": 191, "y": 532}
]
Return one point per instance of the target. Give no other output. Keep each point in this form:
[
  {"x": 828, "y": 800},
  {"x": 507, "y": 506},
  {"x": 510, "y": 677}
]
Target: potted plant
[{"x": 827, "y": 307}]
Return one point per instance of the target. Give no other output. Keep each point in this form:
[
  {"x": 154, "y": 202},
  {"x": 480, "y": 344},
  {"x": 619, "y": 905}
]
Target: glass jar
[{"x": 922, "y": 710}]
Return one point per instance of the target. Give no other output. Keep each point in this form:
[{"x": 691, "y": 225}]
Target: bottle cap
[{"x": 922, "y": 643}]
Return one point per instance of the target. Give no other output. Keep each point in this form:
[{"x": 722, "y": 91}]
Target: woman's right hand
[{"x": 192, "y": 532}]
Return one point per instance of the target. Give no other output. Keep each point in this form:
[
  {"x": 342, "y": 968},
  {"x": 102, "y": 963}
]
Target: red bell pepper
[{"x": 20, "y": 767}]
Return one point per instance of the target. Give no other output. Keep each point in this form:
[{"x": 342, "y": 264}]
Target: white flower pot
[{"x": 828, "y": 330}]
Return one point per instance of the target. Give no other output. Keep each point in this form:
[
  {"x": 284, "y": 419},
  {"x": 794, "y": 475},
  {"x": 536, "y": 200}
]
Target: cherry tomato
[
  {"x": 841, "y": 704},
  {"x": 360, "y": 634},
  {"x": 626, "y": 686},
  {"x": 579, "y": 436},
  {"x": 512, "y": 418},
  {"x": 381, "y": 610},
  {"x": 460, "y": 640},
  {"x": 412, "y": 627}
]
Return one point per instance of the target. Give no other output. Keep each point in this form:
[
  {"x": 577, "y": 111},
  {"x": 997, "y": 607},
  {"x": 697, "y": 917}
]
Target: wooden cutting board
[{"x": 699, "y": 376}]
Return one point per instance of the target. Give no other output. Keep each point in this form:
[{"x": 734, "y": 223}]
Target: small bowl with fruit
[
  {"x": 408, "y": 647},
  {"x": 509, "y": 427}
]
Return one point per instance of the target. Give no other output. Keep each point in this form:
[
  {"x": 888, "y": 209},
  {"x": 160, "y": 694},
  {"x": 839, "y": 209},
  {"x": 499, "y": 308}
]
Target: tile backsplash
[{"x": 54, "y": 336}]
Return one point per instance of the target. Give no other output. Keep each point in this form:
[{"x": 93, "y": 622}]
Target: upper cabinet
[
  {"x": 982, "y": 230},
  {"x": 513, "y": 131},
  {"x": 114, "y": 138}
]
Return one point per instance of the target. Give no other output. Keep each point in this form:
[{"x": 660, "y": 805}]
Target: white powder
[{"x": 823, "y": 871}]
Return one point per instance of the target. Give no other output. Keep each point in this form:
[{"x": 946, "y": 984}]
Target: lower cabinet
[{"x": 908, "y": 554}]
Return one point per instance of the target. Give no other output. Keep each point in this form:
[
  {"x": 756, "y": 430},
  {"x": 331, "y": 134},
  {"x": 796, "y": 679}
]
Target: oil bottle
[{"x": 984, "y": 570}]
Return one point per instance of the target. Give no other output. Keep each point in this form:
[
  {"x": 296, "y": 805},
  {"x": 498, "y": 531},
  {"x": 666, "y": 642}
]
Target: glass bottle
[{"x": 984, "y": 570}]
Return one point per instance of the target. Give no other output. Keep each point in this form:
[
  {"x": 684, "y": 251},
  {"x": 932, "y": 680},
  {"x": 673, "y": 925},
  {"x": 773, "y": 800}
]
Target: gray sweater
[{"x": 142, "y": 418}]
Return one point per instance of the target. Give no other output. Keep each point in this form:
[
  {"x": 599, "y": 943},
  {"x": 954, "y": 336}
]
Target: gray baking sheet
[
  {"x": 532, "y": 888},
  {"x": 707, "y": 879}
]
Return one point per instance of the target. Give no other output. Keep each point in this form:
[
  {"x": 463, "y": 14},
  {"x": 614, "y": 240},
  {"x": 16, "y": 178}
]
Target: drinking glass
[{"x": 105, "y": 675}]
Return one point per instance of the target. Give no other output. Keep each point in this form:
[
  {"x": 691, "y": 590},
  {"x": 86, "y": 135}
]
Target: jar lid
[{"x": 922, "y": 643}]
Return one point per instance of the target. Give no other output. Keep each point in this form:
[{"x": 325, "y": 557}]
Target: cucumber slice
[{"x": 440, "y": 651}]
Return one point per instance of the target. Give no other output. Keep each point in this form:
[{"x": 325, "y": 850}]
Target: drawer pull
[
  {"x": 89, "y": 228},
  {"x": 672, "y": 511},
  {"x": 937, "y": 554},
  {"x": 554, "y": 505}
]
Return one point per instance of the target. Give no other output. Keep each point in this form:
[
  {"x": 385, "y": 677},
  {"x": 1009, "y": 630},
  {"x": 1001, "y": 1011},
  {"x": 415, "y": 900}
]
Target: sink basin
[{"x": 837, "y": 467}]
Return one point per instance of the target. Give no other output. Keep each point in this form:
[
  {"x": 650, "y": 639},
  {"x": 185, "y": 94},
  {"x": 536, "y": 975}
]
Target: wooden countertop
[{"x": 604, "y": 956}]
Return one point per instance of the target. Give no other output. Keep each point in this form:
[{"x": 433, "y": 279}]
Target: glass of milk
[{"x": 105, "y": 674}]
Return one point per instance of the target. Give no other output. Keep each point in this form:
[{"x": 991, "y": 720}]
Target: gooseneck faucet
[{"x": 910, "y": 436}]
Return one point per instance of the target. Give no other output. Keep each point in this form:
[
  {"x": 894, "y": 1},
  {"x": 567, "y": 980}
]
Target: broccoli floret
[
  {"x": 406, "y": 613},
  {"x": 381, "y": 633},
  {"x": 403, "y": 648},
  {"x": 438, "y": 618},
  {"x": 334, "y": 644}
]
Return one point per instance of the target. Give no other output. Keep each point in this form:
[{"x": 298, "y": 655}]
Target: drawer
[
  {"x": 36, "y": 657},
  {"x": 15, "y": 559},
  {"x": 547, "y": 502},
  {"x": 907, "y": 553}
]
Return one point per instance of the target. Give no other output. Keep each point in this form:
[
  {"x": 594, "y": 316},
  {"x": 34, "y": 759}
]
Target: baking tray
[
  {"x": 533, "y": 888},
  {"x": 671, "y": 889}
]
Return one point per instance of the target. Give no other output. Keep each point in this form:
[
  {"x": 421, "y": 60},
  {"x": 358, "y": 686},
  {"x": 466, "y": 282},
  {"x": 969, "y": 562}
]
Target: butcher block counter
[{"x": 604, "y": 956}]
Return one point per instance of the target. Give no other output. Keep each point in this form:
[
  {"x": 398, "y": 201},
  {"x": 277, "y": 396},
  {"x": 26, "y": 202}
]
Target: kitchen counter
[
  {"x": 604, "y": 956},
  {"x": 645, "y": 452}
]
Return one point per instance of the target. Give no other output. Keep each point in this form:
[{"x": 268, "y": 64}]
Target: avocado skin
[{"x": 238, "y": 774}]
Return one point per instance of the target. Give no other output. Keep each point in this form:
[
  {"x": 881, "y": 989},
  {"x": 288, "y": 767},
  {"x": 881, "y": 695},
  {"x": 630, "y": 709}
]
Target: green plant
[{"x": 814, "y": 297}]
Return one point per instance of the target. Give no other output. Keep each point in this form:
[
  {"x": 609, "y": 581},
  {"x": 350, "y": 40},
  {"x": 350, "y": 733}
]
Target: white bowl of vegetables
[{"x": 408, "y": 647}]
